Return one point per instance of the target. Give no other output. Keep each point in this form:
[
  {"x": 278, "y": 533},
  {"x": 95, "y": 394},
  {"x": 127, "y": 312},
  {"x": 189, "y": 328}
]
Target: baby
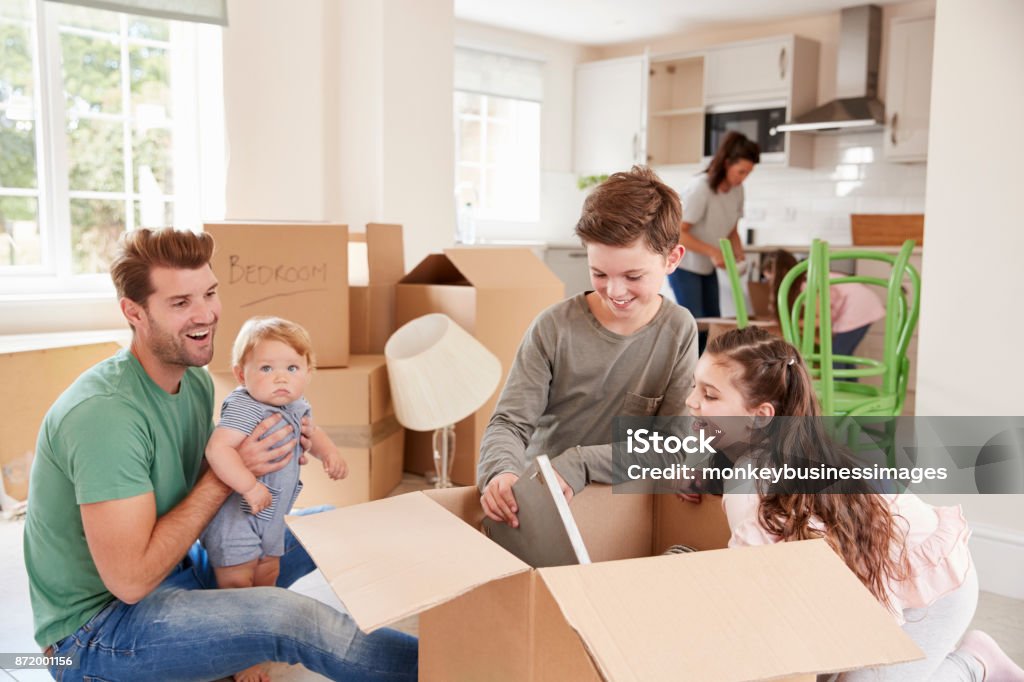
[{"x": 273, "y": 363}]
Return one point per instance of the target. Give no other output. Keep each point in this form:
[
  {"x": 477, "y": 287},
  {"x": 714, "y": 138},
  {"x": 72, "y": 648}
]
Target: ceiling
[{"x": 604, "y": 22}]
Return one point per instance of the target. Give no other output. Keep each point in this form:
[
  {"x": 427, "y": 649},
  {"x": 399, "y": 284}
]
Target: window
[
  {"x": 497, "y": 135},
  {"x": 96, "y": 120}
]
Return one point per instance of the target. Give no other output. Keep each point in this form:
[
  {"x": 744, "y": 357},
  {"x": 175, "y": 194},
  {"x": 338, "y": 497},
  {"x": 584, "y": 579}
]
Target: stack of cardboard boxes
[
  {"x": 351, "y": 293},
  {"x": 494, "y": 294},
  {"x": 301, "y": 273}
]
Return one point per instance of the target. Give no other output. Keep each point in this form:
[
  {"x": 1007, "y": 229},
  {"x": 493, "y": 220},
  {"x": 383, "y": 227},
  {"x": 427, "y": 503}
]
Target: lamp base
[{"x": 444, "y": 455}]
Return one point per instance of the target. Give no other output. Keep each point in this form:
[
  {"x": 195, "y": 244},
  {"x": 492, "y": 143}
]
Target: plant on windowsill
[{"x": 588, "y": 181}]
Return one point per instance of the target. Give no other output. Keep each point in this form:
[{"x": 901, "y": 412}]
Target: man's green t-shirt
[{"x": 113, "y": 434}]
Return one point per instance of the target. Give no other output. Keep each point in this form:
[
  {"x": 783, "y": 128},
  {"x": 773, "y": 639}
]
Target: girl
[
  {"x": 912, "y": 557},
  {"x": 854, "y": 307}
]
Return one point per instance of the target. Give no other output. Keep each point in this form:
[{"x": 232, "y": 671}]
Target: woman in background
[{"x": 712, "y": 207}]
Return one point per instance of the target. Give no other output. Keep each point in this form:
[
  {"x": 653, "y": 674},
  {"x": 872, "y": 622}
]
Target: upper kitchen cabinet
[
  {"x": 667, "y": 110},
  {"x": 609, "y": 132},
  {"x": 771, "y": 69},
  {"x": 908, "y": 88},
  {"x": 675, "y": 110}
]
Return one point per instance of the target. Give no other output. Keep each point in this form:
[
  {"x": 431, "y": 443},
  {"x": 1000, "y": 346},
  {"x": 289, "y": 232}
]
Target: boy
[{"x": 619, "y": 350}]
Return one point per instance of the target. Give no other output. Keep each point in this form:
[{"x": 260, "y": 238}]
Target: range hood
[{"x": 856, "y": 107}]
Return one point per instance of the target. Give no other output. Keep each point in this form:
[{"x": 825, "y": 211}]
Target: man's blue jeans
[{"x": 186, "y": 629}]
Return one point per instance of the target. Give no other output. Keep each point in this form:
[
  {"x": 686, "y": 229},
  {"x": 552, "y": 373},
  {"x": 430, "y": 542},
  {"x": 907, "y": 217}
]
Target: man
[{"x": 119, "y": 496}]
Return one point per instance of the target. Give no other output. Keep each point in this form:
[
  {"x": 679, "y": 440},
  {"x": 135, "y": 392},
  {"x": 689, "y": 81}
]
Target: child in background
[
  {"x": 854, "y": 306},
  {"x": 912, "y": 557},
  {"x": 619, "y": 350},
  {"x": 273, "y": 362}
]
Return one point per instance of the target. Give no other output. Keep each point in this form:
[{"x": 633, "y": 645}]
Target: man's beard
[{"x": 171, "y": 349}]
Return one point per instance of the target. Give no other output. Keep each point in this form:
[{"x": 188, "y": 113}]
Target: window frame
[
  {"x": 482, "y": 165},
  {"x": 53, "y": 279}
]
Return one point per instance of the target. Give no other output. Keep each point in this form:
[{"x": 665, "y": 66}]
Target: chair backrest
[
  {"x": 800, "y": 322},
  {"x": 742, "y": 317}
]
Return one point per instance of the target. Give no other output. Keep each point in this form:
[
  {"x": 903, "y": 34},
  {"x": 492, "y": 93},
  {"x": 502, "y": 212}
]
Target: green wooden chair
[
  {"x": 742, "y": 316},
  {"x": 808, "y": 326}
]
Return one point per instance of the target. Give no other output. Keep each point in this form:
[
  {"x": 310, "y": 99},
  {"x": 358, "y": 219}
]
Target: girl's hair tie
[{"x": 791, "y": 361}]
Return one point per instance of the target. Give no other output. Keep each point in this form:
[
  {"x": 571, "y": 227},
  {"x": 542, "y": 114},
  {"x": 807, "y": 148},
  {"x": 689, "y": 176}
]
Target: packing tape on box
[{"x": 363, "y": 435}]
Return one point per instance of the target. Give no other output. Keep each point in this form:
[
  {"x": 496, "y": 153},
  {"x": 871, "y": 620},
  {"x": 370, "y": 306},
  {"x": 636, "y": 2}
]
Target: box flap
[
  {"x": 498, "y": 268},
  {"x": 435, "y": 269},
  {"x": 390, "y": 559},
  {"x": 736, "y": 614},
  {"x": 385, "y": 253}
]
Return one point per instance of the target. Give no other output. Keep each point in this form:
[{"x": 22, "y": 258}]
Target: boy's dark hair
[
  {"x": 141, "y": 250},
  {"x": 628, "y": 206},
  {"x": 734, "y": 146}
]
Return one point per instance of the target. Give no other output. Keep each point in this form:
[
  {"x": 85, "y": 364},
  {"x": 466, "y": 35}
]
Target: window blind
[
  {"x": 201, "y": 11},
  {"x": 499, "y": 75}
]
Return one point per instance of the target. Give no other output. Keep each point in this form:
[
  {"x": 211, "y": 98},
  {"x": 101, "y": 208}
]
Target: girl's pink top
[
  {"x": 935, "y": 545},
  {"x": 853, "y": 306}
]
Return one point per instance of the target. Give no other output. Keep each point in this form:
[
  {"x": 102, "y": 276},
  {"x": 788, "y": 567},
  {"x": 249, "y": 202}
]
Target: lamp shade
[{"x": 439, "y": 374}]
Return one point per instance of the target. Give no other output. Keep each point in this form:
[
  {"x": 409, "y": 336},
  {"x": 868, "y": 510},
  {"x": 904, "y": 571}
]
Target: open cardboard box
[
  {"x": 492, "y": 293},
  {"x": 353, "y": 406},
  {"x": 780, "y": 611},
  {"x": 298, "y": 272},
  {"x": 376, "y": 263}
]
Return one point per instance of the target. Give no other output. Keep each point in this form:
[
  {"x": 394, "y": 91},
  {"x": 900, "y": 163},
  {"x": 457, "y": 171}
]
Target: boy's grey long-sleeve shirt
[{"x": 571, "y": 377}]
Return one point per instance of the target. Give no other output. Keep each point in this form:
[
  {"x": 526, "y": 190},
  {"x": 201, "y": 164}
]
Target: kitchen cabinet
[
  {"x": 750, "y": 71},
  {"x": 675, "y": 105},
  {"x": 652, "y": 110},
  {"x": 608, "y": 134},
  {"x": 908, "y": 89}
]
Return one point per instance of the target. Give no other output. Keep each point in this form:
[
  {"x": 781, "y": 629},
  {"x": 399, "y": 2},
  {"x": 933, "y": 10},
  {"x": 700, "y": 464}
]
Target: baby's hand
[
  {"x": 335, "y": 465},
  {"x": 258, "y": 497}
]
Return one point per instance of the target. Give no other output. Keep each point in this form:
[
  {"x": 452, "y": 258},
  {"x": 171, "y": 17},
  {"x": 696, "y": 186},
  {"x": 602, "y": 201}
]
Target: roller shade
[
  {"x": 201, "y": 11},
  {"x": 499, "y": 75}
]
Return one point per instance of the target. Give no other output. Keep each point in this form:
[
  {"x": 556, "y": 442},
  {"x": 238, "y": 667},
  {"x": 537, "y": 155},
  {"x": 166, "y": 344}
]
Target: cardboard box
[
  {"x": 494, "y": 294},
  {"x": 353, "y": 405},
  {"x": 33, "y": 380},
  {"x": 372, "y": 286},
  {"x": 298, "y": 272},
  {"x": 785, "y": 610}
]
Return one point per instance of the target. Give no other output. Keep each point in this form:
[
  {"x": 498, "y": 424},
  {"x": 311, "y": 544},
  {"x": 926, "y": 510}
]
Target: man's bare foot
[
  {"x": 254, "y": 674},
  {"x": 998, "y": 666}
]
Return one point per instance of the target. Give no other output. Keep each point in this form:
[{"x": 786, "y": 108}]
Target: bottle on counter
[{"x": 465, "y": 230}]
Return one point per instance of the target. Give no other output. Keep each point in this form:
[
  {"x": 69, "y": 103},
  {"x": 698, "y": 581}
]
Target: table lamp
[{"x": 439, "y": 375}]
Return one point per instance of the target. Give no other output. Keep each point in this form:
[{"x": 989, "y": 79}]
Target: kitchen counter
[{"x": 805, "y": 248}]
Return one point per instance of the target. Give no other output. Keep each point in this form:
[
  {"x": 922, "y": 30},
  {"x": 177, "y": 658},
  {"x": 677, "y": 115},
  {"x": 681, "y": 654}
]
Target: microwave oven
[{"x": 756, "y": 123}]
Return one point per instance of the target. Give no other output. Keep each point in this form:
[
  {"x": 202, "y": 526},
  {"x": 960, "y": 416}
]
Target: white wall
[
  {"x": 418, "y": 140},
  {"x": 971, "y": 327},
  {"x": 342, "y": 111},
  {"x": 274, "y": 110},
  {"x": 560, "y": 199}
]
